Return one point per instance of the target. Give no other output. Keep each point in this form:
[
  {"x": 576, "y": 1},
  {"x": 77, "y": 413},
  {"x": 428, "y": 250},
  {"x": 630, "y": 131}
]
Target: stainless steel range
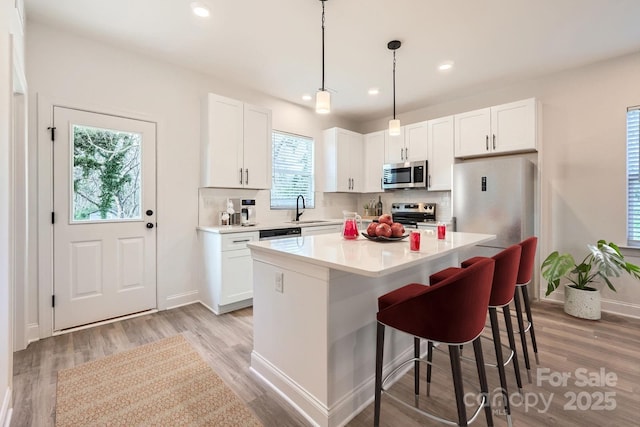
[{"x": 412, "y": 214}]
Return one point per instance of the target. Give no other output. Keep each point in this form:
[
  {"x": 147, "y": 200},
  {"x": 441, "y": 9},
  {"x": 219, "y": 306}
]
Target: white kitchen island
[{"x": 314, "y": 314}]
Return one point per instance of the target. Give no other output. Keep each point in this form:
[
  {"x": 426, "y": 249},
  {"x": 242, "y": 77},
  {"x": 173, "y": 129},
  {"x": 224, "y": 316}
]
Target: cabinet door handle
[
  {"x": 246, "y": 172},
  {"x": 240, "y": 176},
  {"x": 242, "y": 241},
  {"x": 401, "y": 154},
  {"x": 406, "y": 154},
  {"x": 494, "y": 141},
  {"x": 486, "y": 142},
  {"x": 429, "y": 182}
]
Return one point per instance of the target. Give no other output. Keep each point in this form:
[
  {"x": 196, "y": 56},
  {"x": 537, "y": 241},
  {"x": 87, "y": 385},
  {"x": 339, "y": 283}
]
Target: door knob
[
  {"x": 149, "y": 225},
  {"x": 149, "y": 212}
]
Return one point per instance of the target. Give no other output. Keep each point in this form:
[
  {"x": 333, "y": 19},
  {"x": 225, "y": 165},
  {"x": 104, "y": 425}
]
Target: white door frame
[{"x": 45, "y": 198}]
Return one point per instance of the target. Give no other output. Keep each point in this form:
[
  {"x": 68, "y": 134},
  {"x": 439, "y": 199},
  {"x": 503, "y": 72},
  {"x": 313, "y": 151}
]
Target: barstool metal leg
[
  {"x": 512, "y": 345},
  {"x": 430, "y": 360},
  {"x": 378, "y": 386},
  {"x": 523, "y": 332},
  {"x": 493, "y": 316},
  {"x": 527, "y": 307},
  {"x": 456, "y": 371},
  {"x": 416, "y": 367},
  {"x": 482, "y": 376}
]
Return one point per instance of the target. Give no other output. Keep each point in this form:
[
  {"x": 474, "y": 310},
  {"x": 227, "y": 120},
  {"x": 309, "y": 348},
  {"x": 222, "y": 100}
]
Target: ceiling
[{"x": 275, "y": 46}]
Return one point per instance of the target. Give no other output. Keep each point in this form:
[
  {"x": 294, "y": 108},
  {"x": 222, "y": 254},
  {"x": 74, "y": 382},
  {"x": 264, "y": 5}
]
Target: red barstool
[
  {"x": 448, "y": 313},
  {"x": 525, "y": 273},
  {"x": 502, "y": 293}
]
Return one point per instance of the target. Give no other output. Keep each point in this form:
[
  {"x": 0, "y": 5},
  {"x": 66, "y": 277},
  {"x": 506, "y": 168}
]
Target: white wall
[
  {"x": 582, "y": 157},
  {"x": 64, "y": 68},
  {"x": 10, "y": 63}
]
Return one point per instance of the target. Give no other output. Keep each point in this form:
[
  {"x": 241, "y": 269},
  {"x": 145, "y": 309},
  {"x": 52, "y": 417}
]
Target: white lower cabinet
[{"x": 227, "y": 284}]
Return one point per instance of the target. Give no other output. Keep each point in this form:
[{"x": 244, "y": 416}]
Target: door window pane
[{"x": 106, "y": 174}]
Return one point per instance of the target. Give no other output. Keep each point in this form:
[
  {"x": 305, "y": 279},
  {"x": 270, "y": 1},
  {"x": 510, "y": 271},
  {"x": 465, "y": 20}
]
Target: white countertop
[
  {"x": 223, "y": 229},
  {"x": 366, "y": 257}
]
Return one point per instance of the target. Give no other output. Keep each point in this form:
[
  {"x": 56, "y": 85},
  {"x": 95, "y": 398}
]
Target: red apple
[
  {"x": 371, "y": 229},
  {"x": 383, "y": 230},
  {"x": 397, "y": 229},
  {"x": 385, "y": 219}
]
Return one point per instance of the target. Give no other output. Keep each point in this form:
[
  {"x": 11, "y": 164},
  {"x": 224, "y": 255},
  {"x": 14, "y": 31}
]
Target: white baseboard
[
  {"x": 33, "y": 333},
  {"x": 621, "y": 308},
  {"x": 221, "y": 309},
  {"x": 608, "y": 306},
  {"x": 5, "y": 409},
  {"x": 302, "y": 401},
  {"x": 178, "y": 300},
  {"x": 316, "y": 412}
]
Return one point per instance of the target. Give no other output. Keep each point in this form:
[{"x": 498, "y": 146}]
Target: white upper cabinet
[
  {"x": 416, "y": 138},
  {"x": 505, "y": 128},
  {"x": 373, "y": 148},
  {"x": 394, "y": 147},
  {"x": 440, "y": 153},
  {"x": 236, "y": 144},
  {"x": 257, "y": 147},
  {"x": 513, "y": 126},
  {"x": 343, "y": 160},
  {"x": 409, "y": 146}
]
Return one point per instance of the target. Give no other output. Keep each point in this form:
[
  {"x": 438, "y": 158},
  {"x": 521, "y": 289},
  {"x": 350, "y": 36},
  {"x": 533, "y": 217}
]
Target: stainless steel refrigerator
[{"x": 495, "y": 196}]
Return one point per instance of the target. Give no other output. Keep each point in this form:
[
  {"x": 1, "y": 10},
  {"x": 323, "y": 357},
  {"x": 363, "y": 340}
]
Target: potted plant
[{"x": 603, "y": 262}]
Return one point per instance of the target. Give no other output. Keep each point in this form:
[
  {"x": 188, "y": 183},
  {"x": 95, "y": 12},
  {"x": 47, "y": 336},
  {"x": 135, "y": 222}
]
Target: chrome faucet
[{"x": 298, "y": 213}]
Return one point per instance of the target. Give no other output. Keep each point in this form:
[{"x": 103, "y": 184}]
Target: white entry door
[{"x": 104, "y": 199}]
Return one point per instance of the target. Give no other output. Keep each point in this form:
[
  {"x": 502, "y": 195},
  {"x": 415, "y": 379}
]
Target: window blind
[
  {"x": 633, "y": 176},
  {"x": 292, "y": 170}
]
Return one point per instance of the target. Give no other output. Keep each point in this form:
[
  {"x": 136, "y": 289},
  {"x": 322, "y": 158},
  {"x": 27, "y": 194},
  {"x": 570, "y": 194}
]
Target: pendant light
[
  {"x": 323, "y": 97},
  {"x": 394, "y": 124}
]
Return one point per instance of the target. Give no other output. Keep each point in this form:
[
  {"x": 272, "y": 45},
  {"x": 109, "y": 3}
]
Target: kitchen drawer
[{"x": 234, "y": 241}]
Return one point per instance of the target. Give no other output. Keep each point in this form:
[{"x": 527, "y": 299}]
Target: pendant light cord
[
  {"x": 394, "y": 85},
  {"x": 323, "y": 45}
]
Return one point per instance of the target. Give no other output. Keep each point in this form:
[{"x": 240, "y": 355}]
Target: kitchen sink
[{"x": 310, "y": 221}]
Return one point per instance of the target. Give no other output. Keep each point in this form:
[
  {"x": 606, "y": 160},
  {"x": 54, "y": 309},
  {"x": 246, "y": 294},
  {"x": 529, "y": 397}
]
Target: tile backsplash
[
  {"x": 441, "y": 198},
  {"x": 328, "y": 205}
]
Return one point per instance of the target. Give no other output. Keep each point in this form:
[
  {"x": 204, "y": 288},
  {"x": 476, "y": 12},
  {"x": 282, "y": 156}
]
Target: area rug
[{"x": 165, "y": 383}]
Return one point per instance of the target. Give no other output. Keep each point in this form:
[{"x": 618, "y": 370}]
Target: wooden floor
[{"x": 607, "y": 352}]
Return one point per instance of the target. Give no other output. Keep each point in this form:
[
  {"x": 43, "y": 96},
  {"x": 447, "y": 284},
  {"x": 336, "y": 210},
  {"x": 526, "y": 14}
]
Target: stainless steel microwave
[{"x": 405, "y": 175}]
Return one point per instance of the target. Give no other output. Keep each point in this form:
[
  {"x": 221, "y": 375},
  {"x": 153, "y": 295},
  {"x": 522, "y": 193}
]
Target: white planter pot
[{"x": 582, "y": 303}]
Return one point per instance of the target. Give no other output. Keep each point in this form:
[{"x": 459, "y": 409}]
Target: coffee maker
[{"x": 245, "y": 212}]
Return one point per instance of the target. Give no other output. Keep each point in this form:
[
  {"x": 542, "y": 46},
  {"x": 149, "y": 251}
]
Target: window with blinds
[
  {"x": 633, "y": 176},
  {"x": 292, "y": 170}
]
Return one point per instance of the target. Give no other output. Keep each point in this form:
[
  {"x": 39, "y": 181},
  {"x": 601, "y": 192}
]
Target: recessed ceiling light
[
  {"x": 447, "y": 65},
  {"x": 306, "y": 97},
  {"x": 374, "y": 91},
  {"x": 200, "y": 9}
]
